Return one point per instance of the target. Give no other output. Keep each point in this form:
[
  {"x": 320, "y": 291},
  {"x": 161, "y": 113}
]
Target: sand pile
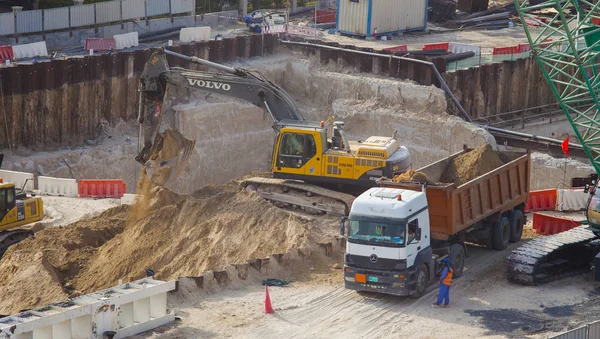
[
  {"x": 38, "y": 271},
  {"x": 174, "y": 235},
  {"x": 471, "y": 165},
  {"x": 411, "y": 175}
]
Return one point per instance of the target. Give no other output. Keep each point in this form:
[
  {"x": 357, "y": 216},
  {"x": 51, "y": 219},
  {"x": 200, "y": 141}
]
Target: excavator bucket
[{"x": 170, "y": 157}]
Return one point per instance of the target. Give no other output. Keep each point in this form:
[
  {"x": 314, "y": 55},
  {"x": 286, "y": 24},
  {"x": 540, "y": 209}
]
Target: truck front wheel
[
  {"x": 501, "y": 234},
  {"x": 457, "y": 259},
  {"x": 422, "y": 280}
]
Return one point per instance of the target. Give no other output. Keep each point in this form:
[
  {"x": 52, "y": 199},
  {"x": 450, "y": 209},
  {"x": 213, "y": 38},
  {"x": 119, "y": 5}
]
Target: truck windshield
[{"x": 375, "y": 231}]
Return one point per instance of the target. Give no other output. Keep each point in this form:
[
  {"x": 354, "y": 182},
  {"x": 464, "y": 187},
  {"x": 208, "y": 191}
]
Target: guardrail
[
  {"x": 589, "y": 331},
  {"x": 123, "y": 310},
  {"x": 44, "y": 20},
  {"x": 57, "y": 186},
  {"x": 84, "y": 188}
]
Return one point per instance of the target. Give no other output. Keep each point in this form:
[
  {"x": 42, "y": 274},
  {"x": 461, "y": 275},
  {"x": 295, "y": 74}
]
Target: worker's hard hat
[{"x": 446, "y": 260}]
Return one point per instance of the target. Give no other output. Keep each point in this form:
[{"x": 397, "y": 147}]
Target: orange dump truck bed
[{"x": 453, "y": 209}]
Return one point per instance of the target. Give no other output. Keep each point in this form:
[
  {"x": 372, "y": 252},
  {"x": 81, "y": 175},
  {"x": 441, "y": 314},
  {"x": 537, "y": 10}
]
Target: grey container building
[{"x": 363, "y": 17}]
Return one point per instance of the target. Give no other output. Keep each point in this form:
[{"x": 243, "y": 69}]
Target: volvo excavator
[
  {"x": 314, "y": 165},
  {"x": 566, "y": 47}
]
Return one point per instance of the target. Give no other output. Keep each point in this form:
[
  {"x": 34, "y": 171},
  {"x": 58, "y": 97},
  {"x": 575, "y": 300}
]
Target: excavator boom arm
[{"x": 234, "y": 82}]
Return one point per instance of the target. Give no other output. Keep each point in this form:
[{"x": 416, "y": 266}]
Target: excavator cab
[{"x": 7, "y": 201}]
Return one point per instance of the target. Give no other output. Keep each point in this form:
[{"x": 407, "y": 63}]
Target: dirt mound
[
  {"x": 411, "y": 175},
  {"x": 471, "y": 165},
  {"x": 174, "y": 235},
  {"x": 38, "y": 271}
]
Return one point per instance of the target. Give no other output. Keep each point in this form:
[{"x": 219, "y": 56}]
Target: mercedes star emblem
[{"x": 373, "y": 258}]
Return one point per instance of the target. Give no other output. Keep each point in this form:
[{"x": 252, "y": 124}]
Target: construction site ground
[
  {"x": 483, "y": 304},
  {"x": 204, "y": 222}
]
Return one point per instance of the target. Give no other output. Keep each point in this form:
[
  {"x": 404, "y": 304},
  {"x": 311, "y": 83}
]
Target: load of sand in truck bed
[
  {"x": 461, "y": 169},
  {"x": 171, "y": 234}
]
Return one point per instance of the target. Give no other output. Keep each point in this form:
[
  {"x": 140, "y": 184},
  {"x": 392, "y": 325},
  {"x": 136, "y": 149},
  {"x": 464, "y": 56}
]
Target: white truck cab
[{"x": 388, "y": 247}]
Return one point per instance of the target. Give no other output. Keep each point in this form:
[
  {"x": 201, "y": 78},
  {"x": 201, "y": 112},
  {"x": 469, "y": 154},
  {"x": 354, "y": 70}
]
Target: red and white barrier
[
  {"x": 543, "y": 200},
  {"x": 442, "y": 45},
  {"x": 548, "y": 224},
  {"x": 101, "y": 188},
  {"x": 274, "y": 29},
  {"x": 6, "y": 53},
  {"x": 397, "y": 49},
  {"x": 100, "y": 44}
]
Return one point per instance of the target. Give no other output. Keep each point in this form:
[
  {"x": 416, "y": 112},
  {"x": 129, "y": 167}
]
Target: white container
[{"x": 362, "y": 17}]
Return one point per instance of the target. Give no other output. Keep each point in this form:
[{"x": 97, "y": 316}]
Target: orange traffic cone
[{"x": 268, "y": 306}]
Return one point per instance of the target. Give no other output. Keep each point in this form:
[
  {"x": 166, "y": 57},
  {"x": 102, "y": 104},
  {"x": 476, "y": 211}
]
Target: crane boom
[{"x": 566, "y": 48}]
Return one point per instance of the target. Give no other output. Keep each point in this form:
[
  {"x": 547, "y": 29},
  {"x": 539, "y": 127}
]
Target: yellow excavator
[
  {"x": 16, "y": 209},
  {"x": 313, "y": 158}
]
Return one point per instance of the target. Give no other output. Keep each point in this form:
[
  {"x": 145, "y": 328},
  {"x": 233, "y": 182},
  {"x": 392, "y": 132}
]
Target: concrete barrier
[
  {"x": 194, "y": 34},
  {"x": 461, "y": 48},
  {"x": 57, "y": 186},
  {"x": 30, "y": 50},
  {"x": 571, "y": 200},
  {"x": 18, "y": 178},
  {"x": 126, "y": 309},
  {"x": 126, "y": 40}
]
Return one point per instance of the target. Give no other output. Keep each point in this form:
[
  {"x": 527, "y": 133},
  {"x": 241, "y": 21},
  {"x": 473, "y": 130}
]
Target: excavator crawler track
[
  {"x": 311, "y": 197},
  {"x": 552, "y": 257}
]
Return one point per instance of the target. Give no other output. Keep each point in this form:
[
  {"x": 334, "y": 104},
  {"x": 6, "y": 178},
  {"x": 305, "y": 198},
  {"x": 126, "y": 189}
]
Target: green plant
[{"x": 54, "y": 3}]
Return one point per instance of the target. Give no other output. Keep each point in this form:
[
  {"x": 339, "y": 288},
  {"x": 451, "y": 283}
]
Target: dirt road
[{"x": 484, "y": 304}]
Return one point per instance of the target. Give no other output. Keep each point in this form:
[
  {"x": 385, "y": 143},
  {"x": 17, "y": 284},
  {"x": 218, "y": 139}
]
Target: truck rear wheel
[
  {"x": 457, "y": 259},
  {"x": 422, "y": 280},
  {"x": 516, "y": 225},
  {"x": 501, "y": 234}
]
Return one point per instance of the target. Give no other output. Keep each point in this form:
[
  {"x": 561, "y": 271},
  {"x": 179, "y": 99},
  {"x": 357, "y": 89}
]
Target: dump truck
[{"x": 398, "y": 233}]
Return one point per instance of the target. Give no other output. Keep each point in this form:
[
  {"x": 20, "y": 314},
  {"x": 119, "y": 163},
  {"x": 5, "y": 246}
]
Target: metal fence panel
[
  {"x": 7, "y": 23},
  {"x": 108, "y": 12},
  {"x": 133, "y": 9},
  {"x": 56, "y": 18},
  {"x": 182, "y": 6},
  {"x": 157, "y": 7},
  {"x": 594, "y": 330},
  {"x": 82, "y": 15},
  {"x": 578, "y": 333},
  {"x": 29, "y": 21}
]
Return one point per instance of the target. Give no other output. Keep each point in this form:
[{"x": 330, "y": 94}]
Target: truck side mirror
[
  {"x": 418, "y": 234},
  {"x": 587, "y": 188},
  {"x": 343, "y": 224}
]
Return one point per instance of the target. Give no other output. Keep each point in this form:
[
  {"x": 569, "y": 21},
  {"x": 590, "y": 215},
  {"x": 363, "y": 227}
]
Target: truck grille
[{"x": 381, "y": 264}]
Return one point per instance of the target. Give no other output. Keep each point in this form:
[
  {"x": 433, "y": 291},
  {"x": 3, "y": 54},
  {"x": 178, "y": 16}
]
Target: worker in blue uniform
[{"x": 445, "y": 282}]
